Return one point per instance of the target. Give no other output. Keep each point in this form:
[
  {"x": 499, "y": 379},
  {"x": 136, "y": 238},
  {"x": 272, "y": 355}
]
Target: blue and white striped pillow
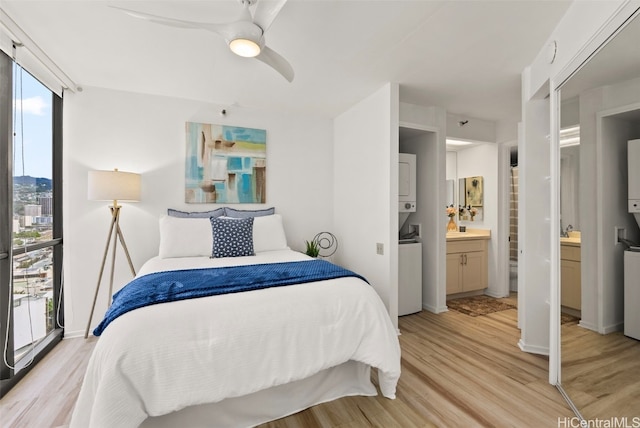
[{"x": 218, "y": 212}]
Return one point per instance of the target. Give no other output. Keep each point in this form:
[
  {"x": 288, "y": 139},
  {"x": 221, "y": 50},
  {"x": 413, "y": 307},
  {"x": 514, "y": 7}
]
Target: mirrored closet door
[{"x": 599, "y": 114}]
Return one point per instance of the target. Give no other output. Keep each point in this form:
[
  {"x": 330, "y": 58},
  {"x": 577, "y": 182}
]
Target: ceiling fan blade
[
  {"x": 172, "y": 22},
  {"x": 266, "y": 11},
  {"x": 277, "y": 62}
]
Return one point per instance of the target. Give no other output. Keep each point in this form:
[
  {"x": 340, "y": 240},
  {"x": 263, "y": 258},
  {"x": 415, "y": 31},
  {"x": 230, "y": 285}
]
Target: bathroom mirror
[
  {"x": 471, "y": 197},
  {"x": 451, "y": 198},
  {"x": 569, "y": 188},
  {"x": 599, "y": 366}
]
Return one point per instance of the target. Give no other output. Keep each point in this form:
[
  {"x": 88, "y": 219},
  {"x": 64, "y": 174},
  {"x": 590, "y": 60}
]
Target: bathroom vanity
[
  {"x": 467, "y": 269},
  {"x": 570, "y": 277}
]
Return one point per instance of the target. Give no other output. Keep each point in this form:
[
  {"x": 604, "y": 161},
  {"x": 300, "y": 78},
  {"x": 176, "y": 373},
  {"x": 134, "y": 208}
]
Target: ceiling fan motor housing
[{"x": 246, "y": 39}]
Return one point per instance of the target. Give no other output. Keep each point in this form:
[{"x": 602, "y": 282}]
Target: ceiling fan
[{"x": 245, "y": 36}]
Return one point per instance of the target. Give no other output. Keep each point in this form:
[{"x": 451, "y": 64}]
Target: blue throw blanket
[{"x": 163, "y": 287}]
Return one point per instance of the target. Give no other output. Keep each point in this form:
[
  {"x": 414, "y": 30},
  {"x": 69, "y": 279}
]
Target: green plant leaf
[{"x": 312, "y": 249}]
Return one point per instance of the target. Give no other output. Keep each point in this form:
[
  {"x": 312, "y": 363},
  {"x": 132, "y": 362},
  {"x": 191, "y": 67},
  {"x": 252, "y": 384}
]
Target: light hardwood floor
[
  {"x": 456, "y": 371},
  {"x": 601, "y": 373}
]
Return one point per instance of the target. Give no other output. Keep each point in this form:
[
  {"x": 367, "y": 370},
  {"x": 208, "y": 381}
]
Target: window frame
[{"x": 10, "y": 376}]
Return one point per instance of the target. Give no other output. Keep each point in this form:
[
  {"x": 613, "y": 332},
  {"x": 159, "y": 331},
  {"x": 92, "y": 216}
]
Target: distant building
[
  {"x": 41, "y": 221},
  {"x": 46, "y": 202},
  {"x": 30, "y": 319},
  {"x": 16, "y": 223},
  {"x": 32, "y": 210}
]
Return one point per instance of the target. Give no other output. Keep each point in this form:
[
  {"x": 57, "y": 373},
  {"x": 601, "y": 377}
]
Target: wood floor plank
[
  {"x": 456, "y": 371},
  {"x": 601, "y": 373}
]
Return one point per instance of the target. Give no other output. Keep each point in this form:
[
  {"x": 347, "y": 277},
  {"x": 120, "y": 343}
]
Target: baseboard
[
  {"x": 466, "y": 294},
  {"x": 612, "y": 328},
  {"x": 540, "y": 350},
  {"x": 588, "y": 326},
  {"x": 434, "y": 309},
  {"x": 495, "y": 294}
]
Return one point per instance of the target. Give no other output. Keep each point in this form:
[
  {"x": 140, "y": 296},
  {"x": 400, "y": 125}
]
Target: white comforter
[{"x": 165, "y": 357}]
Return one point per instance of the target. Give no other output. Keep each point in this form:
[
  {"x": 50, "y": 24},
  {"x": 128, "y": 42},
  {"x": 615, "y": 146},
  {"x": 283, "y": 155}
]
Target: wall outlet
[
  {"x": 620, "y": 234},
  {"x": 380, "y": 248},
  {"x": 417, "y": 228}
]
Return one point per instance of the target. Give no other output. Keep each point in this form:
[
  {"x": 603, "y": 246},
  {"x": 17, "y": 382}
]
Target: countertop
[
  {"x": 469, "y": 235},
  {"x": 572, "y": 242}
]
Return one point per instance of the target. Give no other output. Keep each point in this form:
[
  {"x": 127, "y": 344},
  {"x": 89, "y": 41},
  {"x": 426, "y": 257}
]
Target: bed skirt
[{"x": 348, "y": 379}]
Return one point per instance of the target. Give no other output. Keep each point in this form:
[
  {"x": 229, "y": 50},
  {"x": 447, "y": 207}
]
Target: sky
[{"x": 32, "y": 126}]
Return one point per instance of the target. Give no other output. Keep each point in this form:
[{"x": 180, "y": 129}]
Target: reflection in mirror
[
  {"x": 569, "y": 186},
  {"x": 471, "y": 197},
  {"x": 600, "y": 366}
]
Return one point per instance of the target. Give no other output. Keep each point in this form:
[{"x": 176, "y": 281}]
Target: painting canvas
[
  {"x": 474, "y": 191},
  {"x": 225, "y": 164}
]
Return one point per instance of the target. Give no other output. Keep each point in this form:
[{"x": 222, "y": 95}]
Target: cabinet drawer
[
  {"x": 465, "y": 246},
  {"x": 569, "y": 252}
]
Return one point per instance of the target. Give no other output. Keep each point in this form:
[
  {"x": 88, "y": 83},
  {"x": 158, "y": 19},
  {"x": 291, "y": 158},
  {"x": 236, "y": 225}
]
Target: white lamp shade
[{"x": 113, "y": 186}]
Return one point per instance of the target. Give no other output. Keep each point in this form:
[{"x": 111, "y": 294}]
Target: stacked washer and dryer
[
  {"x": 632, "y": 255},
  {"x": 410, "y": 248}
]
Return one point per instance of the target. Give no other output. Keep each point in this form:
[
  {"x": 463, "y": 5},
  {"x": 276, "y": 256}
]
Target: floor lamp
[{"x": 112, "y": 186}]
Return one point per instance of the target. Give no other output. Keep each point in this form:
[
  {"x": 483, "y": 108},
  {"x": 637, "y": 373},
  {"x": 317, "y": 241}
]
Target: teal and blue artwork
[{"x": 225, "y": 164}]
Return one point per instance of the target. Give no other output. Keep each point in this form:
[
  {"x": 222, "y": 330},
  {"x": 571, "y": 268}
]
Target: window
[{"x": 30, "y": 222}]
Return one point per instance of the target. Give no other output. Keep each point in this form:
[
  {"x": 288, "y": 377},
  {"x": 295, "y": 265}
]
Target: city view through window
[{"x": 33, "y": 302}]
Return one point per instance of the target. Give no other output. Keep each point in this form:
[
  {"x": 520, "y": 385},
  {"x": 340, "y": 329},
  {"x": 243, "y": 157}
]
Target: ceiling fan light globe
[{"x": 244, "y": 47}]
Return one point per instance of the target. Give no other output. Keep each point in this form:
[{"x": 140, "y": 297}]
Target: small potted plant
[{"x": 312, "y": 248}]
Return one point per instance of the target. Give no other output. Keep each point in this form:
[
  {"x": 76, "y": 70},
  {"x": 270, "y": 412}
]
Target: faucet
[{"x": 565, "y": 233}]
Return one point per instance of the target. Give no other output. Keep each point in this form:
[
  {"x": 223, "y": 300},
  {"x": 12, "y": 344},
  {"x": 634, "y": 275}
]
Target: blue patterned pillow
[
  {"x": 232, "y": 212},
  {"x": 232, "y": 237}
]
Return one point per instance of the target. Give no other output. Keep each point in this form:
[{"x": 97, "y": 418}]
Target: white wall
[
  {"x": 431, "y": 199},
  {"x": 534, "y": 243},
  {"x": 482, "y": 160},
  {"x": 452, "y": 167},
  {"x": 425, "y": 147},
  {"x": 366, "y": 191},
  {"x": 105, "y": 129}
]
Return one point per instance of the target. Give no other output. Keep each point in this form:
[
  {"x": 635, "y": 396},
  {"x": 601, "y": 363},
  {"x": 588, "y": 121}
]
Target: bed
[{"x": 241, "y": 358}]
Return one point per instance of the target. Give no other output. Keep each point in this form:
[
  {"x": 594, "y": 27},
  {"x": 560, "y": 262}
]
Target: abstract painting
[
  {"x": 225, "y": 164},
  {"x": 474, "y": 191}
]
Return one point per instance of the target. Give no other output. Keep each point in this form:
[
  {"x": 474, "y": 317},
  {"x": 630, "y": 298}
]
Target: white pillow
[
  {"x": 185, "y": 237},
  {"x": 268, "y": 233}
]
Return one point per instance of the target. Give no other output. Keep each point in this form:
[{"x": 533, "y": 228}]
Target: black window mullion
[
  {"x": 6, "y": 212},
  {"x": 58, "y": 315},
  {"x": 9, "y": 376}
]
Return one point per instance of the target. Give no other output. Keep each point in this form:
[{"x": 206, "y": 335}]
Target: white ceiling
[
  {"x": 616, "y": 61},
  {"x": 466, "y": 56}
]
